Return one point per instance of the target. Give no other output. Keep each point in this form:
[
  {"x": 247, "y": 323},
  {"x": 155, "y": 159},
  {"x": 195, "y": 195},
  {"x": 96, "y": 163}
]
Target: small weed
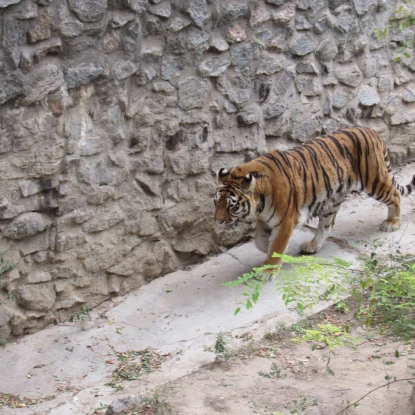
[
  {"x": 3, "y": 343},
  {"x": 220, "y": 349},
  {"x": 328, "y": 335},
  {"x": 342, "y": 307},
  {"x": 82, "y": 315},
  {"x": 154, "y": 405},
  {"x": 301, "y": 405},
  {"x": 274, "y": 373},
  {"x": 133, "y": 365}
]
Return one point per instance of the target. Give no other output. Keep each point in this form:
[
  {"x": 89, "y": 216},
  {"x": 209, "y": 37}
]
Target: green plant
[
  {"x": 305, "y": 283},
  {"x": 301, "y": 405},
  {"x": 133, "y": 364},
  {"x": 82, "y": 315},
  {"x": 328, "y": 335},
  {"x": 402, "y": 18},
  {"x": 154, "y": 405},
  {"x": 4, "y": 266},
  {"x": 220, "y": 349},
  {"x": 342, "y": 307},
  {"x": 274, "y": 373},
  {"x": 390, "y": 301}
]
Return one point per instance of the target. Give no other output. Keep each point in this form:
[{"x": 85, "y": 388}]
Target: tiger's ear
[
  {"x": 249, "y": 181},
  {"x": 222, "y": 173}
]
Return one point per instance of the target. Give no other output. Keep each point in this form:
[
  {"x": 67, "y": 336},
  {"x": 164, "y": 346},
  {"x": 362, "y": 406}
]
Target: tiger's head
[{"x": 234, "y": 198}]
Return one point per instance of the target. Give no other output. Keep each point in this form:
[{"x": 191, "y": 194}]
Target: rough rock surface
[{"x": 115, "y": 116}]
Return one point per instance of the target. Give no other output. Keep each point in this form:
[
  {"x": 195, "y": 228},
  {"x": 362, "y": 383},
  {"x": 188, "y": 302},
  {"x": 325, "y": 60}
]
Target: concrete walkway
[{"x": 178, "y": 315}]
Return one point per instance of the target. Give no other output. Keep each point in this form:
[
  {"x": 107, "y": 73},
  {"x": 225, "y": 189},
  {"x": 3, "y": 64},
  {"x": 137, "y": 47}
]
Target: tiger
[{"x": 282, "y": 190}]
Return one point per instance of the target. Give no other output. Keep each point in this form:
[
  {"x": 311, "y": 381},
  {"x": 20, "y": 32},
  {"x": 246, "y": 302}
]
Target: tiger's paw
[
  {"x": 309, "y": 248},
  {"x": 390, "y": 225},
  {"x": 270, "y": 274}
]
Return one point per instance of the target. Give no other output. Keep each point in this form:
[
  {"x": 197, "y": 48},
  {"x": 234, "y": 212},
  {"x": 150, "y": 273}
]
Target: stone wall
[{"x": 115, "y": 115}]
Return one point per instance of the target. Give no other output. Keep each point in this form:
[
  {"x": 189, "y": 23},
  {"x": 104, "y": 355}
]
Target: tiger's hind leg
[
  {"x": 391, "y": 197},
  {"x": 262, "y": 236},
  {"x": 325, "y": 225},
  {"x": 393, "y": 221}
]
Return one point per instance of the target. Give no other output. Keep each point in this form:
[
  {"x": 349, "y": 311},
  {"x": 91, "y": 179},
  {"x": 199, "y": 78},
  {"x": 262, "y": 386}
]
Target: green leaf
[
  {"x": 237, "y": 311},
  {"x": 389, "y": 363},
  {"x": 397, "y": 354}
]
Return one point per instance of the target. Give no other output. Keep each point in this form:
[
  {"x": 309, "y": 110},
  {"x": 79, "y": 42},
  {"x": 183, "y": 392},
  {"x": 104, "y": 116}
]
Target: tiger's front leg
[{"x": 279, "y": 242}]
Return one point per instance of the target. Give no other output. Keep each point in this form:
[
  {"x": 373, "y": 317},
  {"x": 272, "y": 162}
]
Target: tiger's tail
[{"x": 403, "y": 190}]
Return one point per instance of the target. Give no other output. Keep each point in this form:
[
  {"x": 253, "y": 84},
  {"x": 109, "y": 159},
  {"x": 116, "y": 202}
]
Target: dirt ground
[{"x": 277, "y": 376}]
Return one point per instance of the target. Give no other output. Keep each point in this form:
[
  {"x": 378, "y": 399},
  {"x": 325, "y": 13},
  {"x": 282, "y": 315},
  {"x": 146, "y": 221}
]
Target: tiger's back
[{"x": 285, "y": 188}]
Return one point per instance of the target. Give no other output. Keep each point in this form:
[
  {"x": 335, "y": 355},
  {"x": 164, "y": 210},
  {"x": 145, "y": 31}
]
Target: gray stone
[
  {"x": 121, "y": 17},
  {"x": 162, "y": 9},
  {"x": 301, "y": 46},
  {"x": 27, "y": 224},
  {"x": 5, "y": 332},
  {"x": 178, "y": 23},
  {"x": 43, "y": 81},
  {"x": 269, "y": 65},
  {"x": 88, "y": 10},
  {"x": 7, "y": 3},
  {"x": 301, "y": 23},
  {"x": 5, "y": 314},
  {"x": 309, "y": 86},
  {"x": 368, "y": 96},
  {"x": 284, "y": 83},
  {"x": 272, "y": 109},
  {"x": 165, "y": 87},
  {"x": 26, "y": 10},
  {"x": 172, "y": 66},
  {"x": 131, "y": 37},
  {"x": 37, "y": 276},
  {"x": 397, "y": 155},
  {"x": 345, "y": 22},
  {"x": 251, "y": 114},
  {"x": 41, "y": 29},
  {"x": 306, "y": 66},
  {"x": 339, "y": 100},
  {"x": 327, "y": 50},
  {"x": 351, "y": 77},
  {"x": 283, "y": 16},
  {"x": 244, "y": 53},
  {"x": 139, "y": 6},
  {"x": 11, "y": 85},
  {"x": 362, "y": 6},
  {"x": 408, "y": 96},
  {"x": 198, "y": 11},
  {"x": 71, "y": 29},
  {"x": 277, "y": 2},
  {"x": 219, "y": 43},
  {"x": 214, "y": 66},
  {"x": 333, "y": 4},
  {"x": 233, "y": 9},
  {"x": 193, "y": 93},
  {"x": 31, "y": 187},
  {"x": 104, "y": 219},
  {"x": 236, "y": 88},
  {"x": 198, "y": 39},
  {"x": 14, "y": 32},
  {"x": 369, "y": 66},
  {"x": 82, "y": 74},
  {"x": 327, "y": 106},
  {"x": 123, "y": 69},
  {"x": 37, "y": 297},
  {"x": 259, "y": 15},
  {"x": 403, "y": 117}
]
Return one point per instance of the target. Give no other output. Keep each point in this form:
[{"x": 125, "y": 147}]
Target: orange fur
[{"x": 285, "y": 188}]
